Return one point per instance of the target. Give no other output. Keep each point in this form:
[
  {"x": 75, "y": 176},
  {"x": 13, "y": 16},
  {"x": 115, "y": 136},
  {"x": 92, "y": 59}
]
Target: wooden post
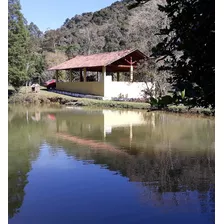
[
  {"x": 131, "y": 63},
  {"x": 56, "y": 74},
  {"x": 70, "y": 76},
  {"x": 131, "y": 73},
  {"x": 84, "y": 74},
  {"x": 80, "y": 75},
  {"x": 118, "y": 76}
]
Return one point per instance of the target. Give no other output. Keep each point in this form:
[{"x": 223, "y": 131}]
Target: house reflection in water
[
  {"x": 170, "y": 157},
  {"x": 100, "y": 125},
  {"x": 115, "y": 119}
]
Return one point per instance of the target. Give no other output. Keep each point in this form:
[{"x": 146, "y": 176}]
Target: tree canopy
[
  {"x": 18, "y": 38},
  {"x": 188, "y": 48},
  {"x": 25, "y": 58}
]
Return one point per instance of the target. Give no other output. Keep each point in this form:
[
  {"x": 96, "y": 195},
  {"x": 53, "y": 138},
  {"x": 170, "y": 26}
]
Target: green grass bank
[{"x": 25, "y": 97}]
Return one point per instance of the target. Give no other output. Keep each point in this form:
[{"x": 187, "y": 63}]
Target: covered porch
[{"x": 108, "y": 69}]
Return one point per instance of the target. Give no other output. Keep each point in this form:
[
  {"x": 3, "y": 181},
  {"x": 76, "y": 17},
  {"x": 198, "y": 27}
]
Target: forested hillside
[{"x": 110, "y": 29}]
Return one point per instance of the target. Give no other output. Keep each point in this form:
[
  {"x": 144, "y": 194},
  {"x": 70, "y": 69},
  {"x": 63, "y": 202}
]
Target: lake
[{"x": 77, "y": 165}]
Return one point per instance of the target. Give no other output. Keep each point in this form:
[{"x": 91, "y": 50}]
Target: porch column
[
  {"x": 80, "y": 75},
  {"x": 84, "y": 74},
  {"x": 56, "y": 75},
  {"x": 104, "y": 72},
  {"x": 70, "y": 76},
  {"x": 131, "y": 73},
  {"x": 118, "y": 76}
]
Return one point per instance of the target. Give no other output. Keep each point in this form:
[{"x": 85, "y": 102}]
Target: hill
[{"x": 109, "y": 29}]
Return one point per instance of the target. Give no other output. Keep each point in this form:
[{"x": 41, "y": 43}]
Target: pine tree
[{"x": 18, "y": 37}]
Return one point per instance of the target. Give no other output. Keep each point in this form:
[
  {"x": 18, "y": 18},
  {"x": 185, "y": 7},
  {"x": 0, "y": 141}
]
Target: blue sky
[{"x": 52, "y": 13}]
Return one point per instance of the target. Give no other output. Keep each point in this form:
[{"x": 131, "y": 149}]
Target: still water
[{"x": 70, "y": 165}]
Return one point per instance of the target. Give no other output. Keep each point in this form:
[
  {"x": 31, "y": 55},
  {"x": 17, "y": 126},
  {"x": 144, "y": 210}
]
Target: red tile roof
[{"x": 94, "y": 60}]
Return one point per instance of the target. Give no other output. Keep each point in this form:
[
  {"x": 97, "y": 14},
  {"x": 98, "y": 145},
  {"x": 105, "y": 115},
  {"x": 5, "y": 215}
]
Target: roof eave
[{"x": 131, "y": 51}]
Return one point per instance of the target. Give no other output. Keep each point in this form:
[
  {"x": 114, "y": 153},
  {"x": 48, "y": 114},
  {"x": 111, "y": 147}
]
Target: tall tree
[
  {"x": 18, "y": 37},
  {"x": 36, "y": 61}
]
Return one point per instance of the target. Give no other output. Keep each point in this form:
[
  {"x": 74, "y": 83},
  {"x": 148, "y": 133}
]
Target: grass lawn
[{"x": 45, "y": 96}]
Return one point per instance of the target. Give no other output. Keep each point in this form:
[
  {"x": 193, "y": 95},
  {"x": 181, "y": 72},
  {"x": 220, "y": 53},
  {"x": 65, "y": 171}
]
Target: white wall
[
  {"x": 107, "y": 89},
  {"x": 125, "y": 89}
]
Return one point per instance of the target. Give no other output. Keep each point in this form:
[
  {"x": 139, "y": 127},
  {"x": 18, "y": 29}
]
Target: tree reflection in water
[{"x": 171, "y": 158}]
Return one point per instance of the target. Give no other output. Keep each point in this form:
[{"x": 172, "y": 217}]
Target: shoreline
[{"x": 45, "y": 97}]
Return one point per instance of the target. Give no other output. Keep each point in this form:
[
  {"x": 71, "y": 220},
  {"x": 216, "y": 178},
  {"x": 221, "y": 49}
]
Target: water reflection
[
  {"x": 27, "y": 131},
  {"x": 170, "y": 158},
  {"x": 23, "y": 142}
]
